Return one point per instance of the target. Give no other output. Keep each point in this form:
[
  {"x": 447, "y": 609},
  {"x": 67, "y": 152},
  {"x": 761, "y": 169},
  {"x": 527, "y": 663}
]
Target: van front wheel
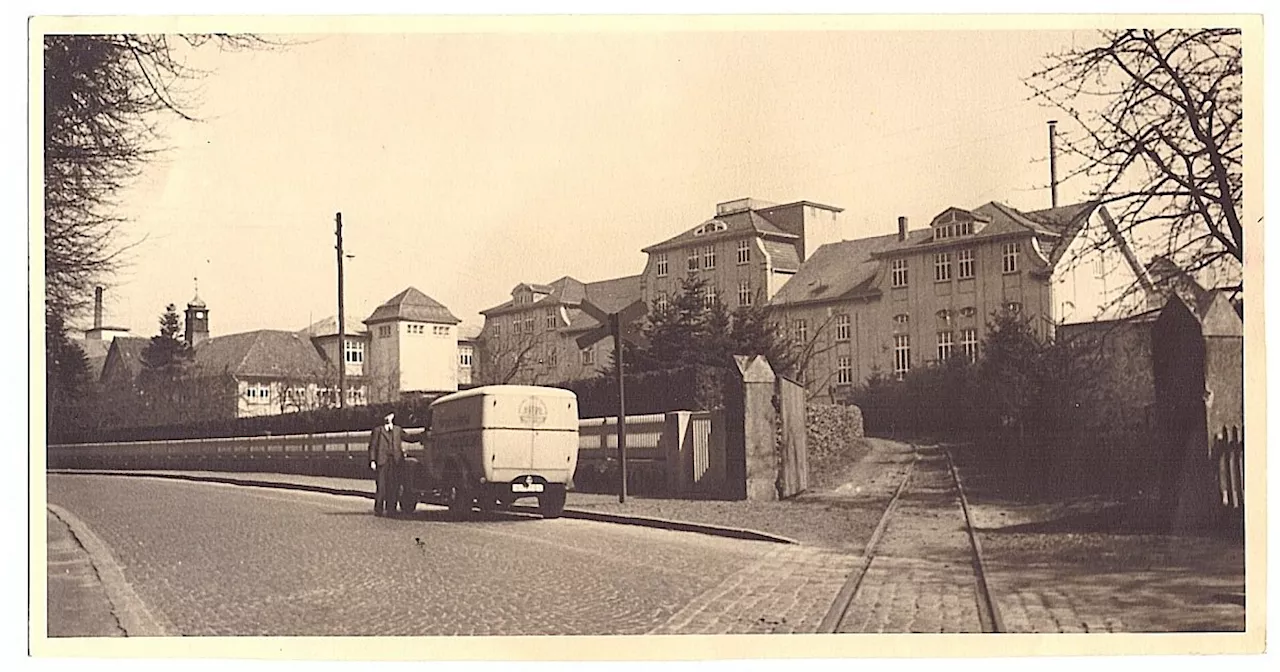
[{"x": 551, "y": 501}]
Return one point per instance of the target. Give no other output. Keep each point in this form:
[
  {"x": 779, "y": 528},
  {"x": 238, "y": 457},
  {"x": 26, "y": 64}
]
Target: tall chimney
[
  {"x": 1053, "y": 163},
  {"x": 902, "y": 229},
  {"x": 97, "y": 307}
]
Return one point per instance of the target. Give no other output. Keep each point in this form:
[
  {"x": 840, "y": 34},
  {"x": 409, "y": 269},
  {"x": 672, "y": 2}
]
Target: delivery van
[{"x": 493, "y": 445}]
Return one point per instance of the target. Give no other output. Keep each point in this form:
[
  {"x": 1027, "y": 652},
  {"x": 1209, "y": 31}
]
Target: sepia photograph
[{"x": 674, "y": 334}]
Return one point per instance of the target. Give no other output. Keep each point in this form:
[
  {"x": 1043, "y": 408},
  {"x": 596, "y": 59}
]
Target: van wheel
[{"x": 551, "y": 501}]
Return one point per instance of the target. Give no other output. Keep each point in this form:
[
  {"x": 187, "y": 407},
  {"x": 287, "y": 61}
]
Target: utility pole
[
  {"x": 1053, "y": 164},
  {"x": 342, "y": 326},
  {"x": 615, "y": 325}
]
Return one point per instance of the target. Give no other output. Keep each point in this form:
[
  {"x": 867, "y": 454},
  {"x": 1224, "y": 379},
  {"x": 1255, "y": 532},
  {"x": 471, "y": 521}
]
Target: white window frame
[
  {"x": 842, "y": 327},
  {"x": 946, "y": 345},
  {"x": 898, "y": 272},
  {"x": 969, "y": 343},
  {"x": 801, "y": 330},
  {"x": 353, "y": 351},
  {"x": 528, "y": 324},
  {"x": 497, "y": 329},
  {"x": 901, "y": 355},
  {"x": 942, "y": 267},
  {"x": 258, "y": 393},
  {"x": 692, "y": 260},
  {"x": 466, "y": 355},
  {"x": 709, "y": 257},
  {"x": 549, "y": 318},
  {"x": 662, "y": 303},
  {"x": 709, "y": 296},
  {"x": 662, "y": 264},
  {"x": 588, "y": 356},
  {"x": 844, "y": 371},
  {"x": 1010, "y": 257},
  {"x": 744, "y": 293},
  {"x": 744, "y": 252},
  {"x": 964, "y": 264}
]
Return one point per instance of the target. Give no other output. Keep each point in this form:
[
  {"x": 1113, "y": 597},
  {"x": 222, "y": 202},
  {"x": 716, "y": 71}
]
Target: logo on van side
[{"x": 533, "y": 412}]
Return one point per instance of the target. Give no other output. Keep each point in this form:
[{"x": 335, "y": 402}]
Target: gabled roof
[
  {"x": 266, "y": 353},
  {"x": 95, "y": 353},
  {"x": 609, "y": 295},
  {"x": 849, "y": 268},
  {"x": 329, "y": 327},
  {"x": 126, "y": 351},
  {"x": 413, "y": 305},
  {"x": 736, "y": 224},
  {"x": 1055, "y": 226},
  {"x": 566, "y": 290},
  {"x": 843, "y": 270}
]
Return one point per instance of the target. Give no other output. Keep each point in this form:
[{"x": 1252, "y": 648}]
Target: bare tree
[
  {"x": 508, "y": 359},
  {"x": 104, "y": 96},
  {"x": 1156, "y": 129},
  {"x": 806, "y": 353}
]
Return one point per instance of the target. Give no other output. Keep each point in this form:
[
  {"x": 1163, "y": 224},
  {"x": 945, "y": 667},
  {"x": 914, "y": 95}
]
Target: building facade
[
  {"x": 532, "y": 338},
  {"x": 413, "y": 347},
  {"x": 745, "y": 253},
  {"x": 887, "y": 304}
]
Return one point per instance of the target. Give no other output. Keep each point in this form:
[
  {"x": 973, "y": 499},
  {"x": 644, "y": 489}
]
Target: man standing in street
[{"x": 386, "y": 456}]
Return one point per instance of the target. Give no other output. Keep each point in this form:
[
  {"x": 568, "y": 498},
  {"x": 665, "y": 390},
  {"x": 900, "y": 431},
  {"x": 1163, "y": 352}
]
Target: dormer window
[
  {"x": 951, "y": 226},
  {"x": 710, "y": 227}
]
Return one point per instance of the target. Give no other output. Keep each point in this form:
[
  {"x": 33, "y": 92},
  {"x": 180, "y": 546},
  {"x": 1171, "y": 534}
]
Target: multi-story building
[
  {"x": 413, "y": 347},
  {"x": 887, "y": 304},
  {"x": 410, "y": 346},
  {"x": 532, "y": 337},
  {"x": 746, "y": 253}
]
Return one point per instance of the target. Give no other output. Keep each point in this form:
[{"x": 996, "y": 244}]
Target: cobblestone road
[{"x": 291, "y": 563}]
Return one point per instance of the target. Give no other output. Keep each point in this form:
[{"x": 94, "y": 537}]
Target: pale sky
[{"x": 465, "y": 164}]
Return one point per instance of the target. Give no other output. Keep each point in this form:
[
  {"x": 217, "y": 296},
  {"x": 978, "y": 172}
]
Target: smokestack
[
  {"x": 902, "y": 229},
  {"x": 97, "y": 307},
  {"x": 1053, "y": 163}
]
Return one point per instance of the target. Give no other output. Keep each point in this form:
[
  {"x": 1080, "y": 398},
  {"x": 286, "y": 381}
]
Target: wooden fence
[{"x": 1228, "y": 454}]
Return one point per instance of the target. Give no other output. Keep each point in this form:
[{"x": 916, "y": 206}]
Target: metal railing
[{"x": 674, "y": 453}]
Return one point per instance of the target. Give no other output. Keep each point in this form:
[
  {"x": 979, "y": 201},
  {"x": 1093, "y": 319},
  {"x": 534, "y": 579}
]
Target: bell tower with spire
[{"x": 197, "y": 330}]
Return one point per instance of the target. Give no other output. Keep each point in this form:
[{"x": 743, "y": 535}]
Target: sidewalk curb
[
  {"x": 132, "y": 614},
  {"x": 579, "y": 514}
]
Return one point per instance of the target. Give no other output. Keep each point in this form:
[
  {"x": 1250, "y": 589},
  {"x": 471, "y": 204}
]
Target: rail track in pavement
[{"x": 987, "y": 611}]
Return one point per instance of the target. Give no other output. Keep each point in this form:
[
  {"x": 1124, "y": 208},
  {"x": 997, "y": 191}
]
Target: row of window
[
  {"x": 260, "y": 393},
  {"x": 710, "y": 295},
  {"x": 526, "y": 323},
  {"x": 387, "y": 330},
  {"x": 902, "y": 353},
  {"x": 702, "y": 258},
  {"x": 843, "y": 325},
  {"x": 954, "y": 229},
  {"x": 964, "y": 266}
]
